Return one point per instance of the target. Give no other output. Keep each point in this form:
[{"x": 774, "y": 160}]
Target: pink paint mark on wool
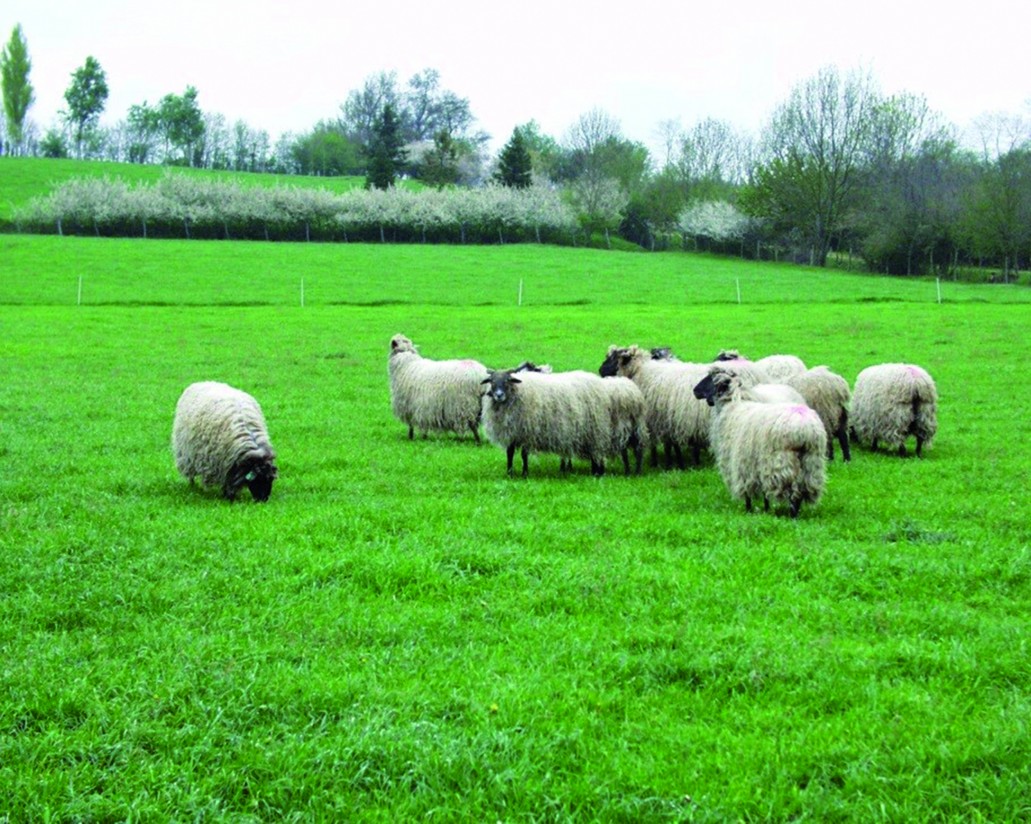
[
  {"x": 916, "y": 371},
  {"x": 803, "y": 411}
]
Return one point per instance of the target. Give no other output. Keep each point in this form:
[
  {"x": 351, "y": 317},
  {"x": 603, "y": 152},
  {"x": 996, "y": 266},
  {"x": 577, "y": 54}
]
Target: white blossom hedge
[{"x": 182, "y": 207}]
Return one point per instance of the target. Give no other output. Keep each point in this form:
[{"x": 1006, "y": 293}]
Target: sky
[{"x": 282, "y": 67}]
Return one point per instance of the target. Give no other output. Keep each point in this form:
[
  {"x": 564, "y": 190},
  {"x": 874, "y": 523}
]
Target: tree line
[{"x": 840, "y": 172}]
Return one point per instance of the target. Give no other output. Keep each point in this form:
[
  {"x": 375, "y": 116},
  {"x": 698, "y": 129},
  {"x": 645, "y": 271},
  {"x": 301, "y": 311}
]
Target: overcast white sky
[{"x": 284, "y": 66}]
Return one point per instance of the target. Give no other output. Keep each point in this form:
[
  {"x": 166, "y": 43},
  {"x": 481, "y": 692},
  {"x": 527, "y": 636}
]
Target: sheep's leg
[
  {"x": 597, "y": 468},
  {"x": 696, "y": 453},
  {"x": 919, "y": 446},
  {"x": 873, "y": 444},
  {"x": 748, "y": 503},
  {"x": 655, "y": 455},
  {"x": 525, "y": 453},
  {"x": 669, "y": 453},
  {"x": 766, "y": 504},
  {"x": 902, "y": 450},
  {"x": 510, "y": 454},
  {"x": 796, "y": 506},
  {"x": 626, "y": 461},
  {"x": 846, "y": 452},
  {"x": 411, "y": 432},
  {"x": 475, "y": 429},
  {"x": 830, "y": 449},
  {"x": 680, "y": 455},
  {"x": 638, "y": 458}
]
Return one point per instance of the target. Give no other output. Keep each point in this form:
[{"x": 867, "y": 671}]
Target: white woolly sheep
[
  {"x": 219, "y": 434},
  {"x": 890, "y": 402},
  {"x": 772, "y": 450},
  {"x": 674, "y": 416},
  {"x": 564, "y": 413},
  {"x": 772, "y": 368},
  {"x": 431, "y": 395},
  {"x": 828, "y": 394}
]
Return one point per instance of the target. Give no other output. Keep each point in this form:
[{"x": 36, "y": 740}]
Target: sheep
[
  {"x": 776, "y": 450},
  {"x": 219, "y": 434},
  {"x": 565, "y": 413},
  {"x": 609, "y": 367},
  {"x": 892, "y": 401},
  {"x": 628, "y": 416},
  {"x": 426, "y": 394},
  {"x": 772, "y": 368},
  {"x": 828, "y": 394},
  {"x": 674, "y": 416}
]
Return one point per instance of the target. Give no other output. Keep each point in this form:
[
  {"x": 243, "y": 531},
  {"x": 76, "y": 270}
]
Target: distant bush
[{"x": 179, "y": 206}]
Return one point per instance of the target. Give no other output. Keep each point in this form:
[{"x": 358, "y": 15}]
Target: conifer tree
[
  {"x": 514, "y": 164},
  {"x": 386, "y": 152}
]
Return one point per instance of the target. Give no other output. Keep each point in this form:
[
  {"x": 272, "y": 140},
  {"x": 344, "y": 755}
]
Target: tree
[
  {"x": 143, "y": 125},
  {"x": 86, "y": 98},
  {"x": 15, "y": 66},
  {"x": 386, "y": 150},
  {"x": 364, "y": 106},
  {"x": 326, "y": 151},
  {"x": 515, "y": 167},
  {"x": 440, "y": 163},
  {"x": 182, "y": 124},
  {"x": 814, "y": 146}
]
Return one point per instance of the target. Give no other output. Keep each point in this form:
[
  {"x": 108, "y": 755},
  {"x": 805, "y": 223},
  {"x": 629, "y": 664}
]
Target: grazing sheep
[
  {"x": 828, "y": 394},
  {"x": 219, "y": 434},
  {"x": 892, "y": 401},
  {"x": 773, "y": 450},
  {"x": 565, "y": 413},
  {"x": 442, "y": 396},
  {"x": 674, "y": 416}
]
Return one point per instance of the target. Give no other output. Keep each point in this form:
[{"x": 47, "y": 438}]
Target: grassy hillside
[
  {"x": 402, "y": 631},
  {"x": 23, "y": 178}
]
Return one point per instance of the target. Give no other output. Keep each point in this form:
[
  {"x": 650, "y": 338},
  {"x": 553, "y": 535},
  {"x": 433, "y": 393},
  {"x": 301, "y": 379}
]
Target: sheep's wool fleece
[
  {"x": 439, "y": 396},
  {"x": 673, "y": 411},
  {"x": 563, "y": 412},
  {"x": 824, "y": 391},
  {"x": 891, "y": 401},
  {"x": 215, "y": 426},
  {"x": 774, "y": 451}
]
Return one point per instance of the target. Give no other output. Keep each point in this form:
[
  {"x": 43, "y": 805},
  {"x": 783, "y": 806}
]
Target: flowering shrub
[{"x": 183, "y": 206}]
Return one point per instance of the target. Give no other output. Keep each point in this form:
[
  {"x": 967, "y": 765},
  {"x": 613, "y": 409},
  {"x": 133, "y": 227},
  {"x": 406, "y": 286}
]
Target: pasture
[{"x": 403, "y": 631}]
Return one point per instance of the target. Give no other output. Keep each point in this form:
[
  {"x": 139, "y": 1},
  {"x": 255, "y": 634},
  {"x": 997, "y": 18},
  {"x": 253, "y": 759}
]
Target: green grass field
[{"x": 402, "y": 631}]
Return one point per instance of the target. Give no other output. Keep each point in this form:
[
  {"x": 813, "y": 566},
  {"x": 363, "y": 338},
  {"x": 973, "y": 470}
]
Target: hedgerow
[{"x": 182, "y": 207}]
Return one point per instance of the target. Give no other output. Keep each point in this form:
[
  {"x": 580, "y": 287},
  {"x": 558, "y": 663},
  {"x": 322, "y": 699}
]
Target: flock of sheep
[{"x": 770, "y": 424}]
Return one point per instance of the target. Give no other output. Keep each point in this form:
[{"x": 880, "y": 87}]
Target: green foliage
[
  {"x": 326, "y": 151},
  {"x": 18, "y": 94},
  {"x": 439, "y": 167},
  {"x": 182, "y": 123},
  {"x": 86, "y": 98},
  {"x": 515, "y": 167},
  {"x": 403, "y": 632},
  {"x": 386, "y": 152}
]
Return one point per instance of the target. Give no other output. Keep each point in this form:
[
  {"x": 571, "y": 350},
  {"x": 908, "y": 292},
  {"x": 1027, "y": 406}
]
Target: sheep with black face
[
  {"x": 768, "y": 450},
  {"x": 563, "y": 413},
  {"x": 219, "y": 434}
]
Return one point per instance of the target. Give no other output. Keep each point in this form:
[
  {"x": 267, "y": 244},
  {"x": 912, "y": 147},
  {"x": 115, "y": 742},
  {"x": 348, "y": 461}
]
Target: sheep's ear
[
  {"x": 486, "y": 379},
  {"x": 513, "y": 379}
]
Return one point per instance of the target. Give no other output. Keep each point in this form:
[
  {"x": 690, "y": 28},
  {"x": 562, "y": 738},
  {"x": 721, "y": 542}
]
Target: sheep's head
[
  {"x": 611, "y": 363},
  {"x": 499, "y": 385},
  {"x": 530, "y": 366},
  {"x": 399, "y": 343},
  {"x": 257, "y": 470},
  {"x": 729, "y": 355},
  {"x": 717, "y": 386},
  {"x": 662, "y": 353}
]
